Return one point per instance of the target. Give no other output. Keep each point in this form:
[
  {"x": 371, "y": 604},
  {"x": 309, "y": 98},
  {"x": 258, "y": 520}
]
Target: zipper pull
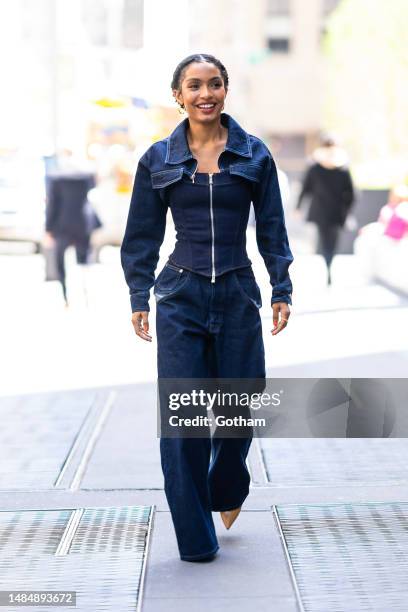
[
  {"x": 193, "y": 175},
  {"x": 211, "y": 177}
]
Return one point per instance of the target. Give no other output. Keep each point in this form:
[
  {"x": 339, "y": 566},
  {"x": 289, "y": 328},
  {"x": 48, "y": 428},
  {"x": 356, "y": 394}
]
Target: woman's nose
[{"x": 206, "y": 93}]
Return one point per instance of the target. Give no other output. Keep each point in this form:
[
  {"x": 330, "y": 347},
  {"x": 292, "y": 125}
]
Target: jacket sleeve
[
  {"x": 144, "y": 234},
  {"x": 307, "y": 186},
  {"x": 348, "y": 192},
  {"x": 271, "y": 233}
]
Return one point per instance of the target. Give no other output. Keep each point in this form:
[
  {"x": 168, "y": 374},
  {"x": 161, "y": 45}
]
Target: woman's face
[{"x": 202, "y": 84}]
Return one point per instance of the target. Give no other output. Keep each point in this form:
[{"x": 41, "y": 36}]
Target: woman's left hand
[{"x": 282, "y": 309}]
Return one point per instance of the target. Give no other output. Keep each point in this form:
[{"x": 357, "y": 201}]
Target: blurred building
[
  {"x": 66, "y": 54},
  {"x": 272, "y": 50}
]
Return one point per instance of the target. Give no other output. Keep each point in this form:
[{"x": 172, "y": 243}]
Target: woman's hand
[
  {"x": 48, "y": 240},
  {"x": 281, "y": 308},
  {"x": 140, "y": 321}
]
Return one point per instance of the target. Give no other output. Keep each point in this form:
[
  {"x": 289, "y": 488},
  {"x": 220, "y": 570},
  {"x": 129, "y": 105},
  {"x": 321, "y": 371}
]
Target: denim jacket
[{"x": 210, "y": 212}]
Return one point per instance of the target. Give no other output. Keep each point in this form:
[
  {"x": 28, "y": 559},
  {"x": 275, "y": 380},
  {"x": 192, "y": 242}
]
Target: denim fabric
[
  {"x": 206, "y": 330},
  {"x": 210, "y": 221}
]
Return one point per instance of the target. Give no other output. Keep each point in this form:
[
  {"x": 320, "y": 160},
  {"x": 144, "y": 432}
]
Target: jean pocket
[
  {"x": 170, "y": 280},
  {"x": 247, "y": 286}
]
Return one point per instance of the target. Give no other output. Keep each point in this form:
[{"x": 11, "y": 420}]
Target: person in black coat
[
  {"x": 328, "y": 181},
  {"x": 70, "y": 219}
]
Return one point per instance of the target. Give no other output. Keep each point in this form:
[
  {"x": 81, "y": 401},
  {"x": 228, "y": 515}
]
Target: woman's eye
[{"x": 192, "y": 86}]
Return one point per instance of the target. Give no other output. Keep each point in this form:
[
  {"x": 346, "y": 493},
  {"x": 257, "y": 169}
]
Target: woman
[
  {"x": 329, "y": 182},
  {"x": 207, "y": 300}
]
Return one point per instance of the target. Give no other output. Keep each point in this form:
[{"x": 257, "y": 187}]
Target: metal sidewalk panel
[
  {"x": 310, "y": 462},
  {"x": 47, "y": 438},
  {"x": 100, "y": 553},
  {"x": 349, "y": 557},
  {"x": 31, "y": 533}
]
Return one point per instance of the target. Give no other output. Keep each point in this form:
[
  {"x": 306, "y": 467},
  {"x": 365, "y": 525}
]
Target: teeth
[{"x": 206, "y": 105}]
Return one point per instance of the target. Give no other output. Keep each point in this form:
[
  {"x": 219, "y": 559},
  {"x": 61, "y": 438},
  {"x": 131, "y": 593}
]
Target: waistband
[{"x": 179, "y": 267}]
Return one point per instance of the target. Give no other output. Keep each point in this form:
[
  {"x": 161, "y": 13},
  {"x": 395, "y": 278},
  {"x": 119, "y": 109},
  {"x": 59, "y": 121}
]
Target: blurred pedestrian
[
  {"x": 70, "y": 218},
  {"x": 394, "y": 215},
  {"x": 328, "y": 181}
]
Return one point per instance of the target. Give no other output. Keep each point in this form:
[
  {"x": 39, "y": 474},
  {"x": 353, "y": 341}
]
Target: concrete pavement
[{"x": 99, "y": 448}]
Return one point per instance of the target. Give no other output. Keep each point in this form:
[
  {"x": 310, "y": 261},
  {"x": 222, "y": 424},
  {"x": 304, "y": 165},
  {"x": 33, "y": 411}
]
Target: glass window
[
  {"x": 95, "y": 19},
  {"x": 329, "y": 6},
  {"x": 278, "y": 7},
  {"x": 278, "y": 44},
  {"x": 132, "y": 24}
]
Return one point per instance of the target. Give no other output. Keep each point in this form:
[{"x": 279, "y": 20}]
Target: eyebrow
[{"x": 197, "y": 79}]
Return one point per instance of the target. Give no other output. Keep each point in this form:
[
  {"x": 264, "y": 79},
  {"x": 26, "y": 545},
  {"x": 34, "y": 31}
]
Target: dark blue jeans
[{"x": 206, "y": 330}]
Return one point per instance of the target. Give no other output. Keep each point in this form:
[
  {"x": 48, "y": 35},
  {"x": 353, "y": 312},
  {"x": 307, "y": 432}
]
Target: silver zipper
[
  {"x": 193, "y": 175},
  {"x": 212, "y": 228}
]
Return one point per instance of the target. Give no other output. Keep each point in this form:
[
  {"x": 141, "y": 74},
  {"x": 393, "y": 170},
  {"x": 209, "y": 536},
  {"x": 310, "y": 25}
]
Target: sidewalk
[
  {"x": 349, "y": 329},
  {"x": 114, "y": 468},
  {"x": 79, "y": 442}
]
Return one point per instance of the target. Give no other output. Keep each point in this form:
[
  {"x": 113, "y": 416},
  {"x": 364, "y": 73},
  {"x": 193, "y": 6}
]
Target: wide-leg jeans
[{"x": 206, "y": 330}]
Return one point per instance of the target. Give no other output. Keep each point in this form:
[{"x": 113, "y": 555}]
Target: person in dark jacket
[
  {"x": 207, "y": 172},
  {"x": 328, "y": 181},
  {"x": 69, "y": 218}
]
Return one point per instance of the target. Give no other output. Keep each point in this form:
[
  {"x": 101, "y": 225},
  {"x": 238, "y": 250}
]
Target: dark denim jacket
[{"x": 210, "y": 212}]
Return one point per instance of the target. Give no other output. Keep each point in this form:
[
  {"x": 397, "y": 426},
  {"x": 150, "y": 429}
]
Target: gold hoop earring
[{"x": 180, "y": 108}]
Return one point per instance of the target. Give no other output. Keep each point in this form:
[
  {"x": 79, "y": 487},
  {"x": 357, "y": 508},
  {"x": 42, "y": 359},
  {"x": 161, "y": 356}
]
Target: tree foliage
[{"x": 366, "y": 51}]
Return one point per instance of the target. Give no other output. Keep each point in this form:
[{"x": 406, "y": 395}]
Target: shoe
[
  {"x": 204, "y": 559},
  {"x": 229, "y": 516}
]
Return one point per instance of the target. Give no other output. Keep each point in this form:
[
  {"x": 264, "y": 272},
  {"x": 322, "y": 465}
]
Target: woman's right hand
[
  {"x": 48, "y": 240},
  {"x": 140, "y": 322}
]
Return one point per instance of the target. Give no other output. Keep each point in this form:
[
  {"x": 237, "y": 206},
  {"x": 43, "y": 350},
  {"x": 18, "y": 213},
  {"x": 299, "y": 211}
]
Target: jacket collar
[{"x": 177, "y": 145}]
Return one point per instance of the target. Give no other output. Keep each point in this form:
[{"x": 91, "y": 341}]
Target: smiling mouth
[{"x": 206, "y": 106}]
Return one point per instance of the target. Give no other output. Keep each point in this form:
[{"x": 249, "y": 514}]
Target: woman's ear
[{"x": 178, "y": 96}]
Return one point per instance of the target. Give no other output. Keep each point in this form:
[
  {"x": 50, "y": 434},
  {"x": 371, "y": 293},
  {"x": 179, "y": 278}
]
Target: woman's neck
[{"x": 201, "y": 135}]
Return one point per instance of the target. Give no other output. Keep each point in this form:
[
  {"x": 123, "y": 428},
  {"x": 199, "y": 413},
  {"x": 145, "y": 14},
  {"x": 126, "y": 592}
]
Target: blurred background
[{"x": 86, "y": 89}]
